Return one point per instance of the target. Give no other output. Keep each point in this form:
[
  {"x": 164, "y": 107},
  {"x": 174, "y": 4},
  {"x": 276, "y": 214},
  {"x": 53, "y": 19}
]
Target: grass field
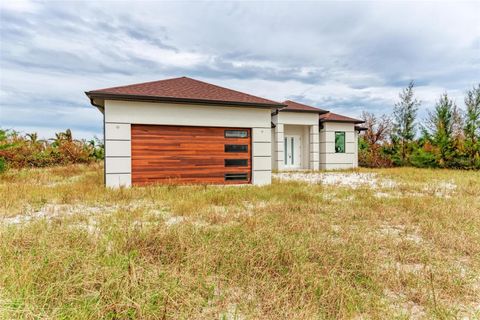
[{"x": 405, "y": 245}]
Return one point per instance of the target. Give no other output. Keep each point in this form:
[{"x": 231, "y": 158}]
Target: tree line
[
  {"x": 447, "y": 138},
  {"x": 26, "y": 150}
]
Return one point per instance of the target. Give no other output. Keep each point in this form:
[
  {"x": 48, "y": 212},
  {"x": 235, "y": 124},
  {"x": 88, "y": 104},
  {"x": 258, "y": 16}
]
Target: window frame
[
  {"x": 344, "y": 141},
  {"x": 245, "y": 131}
]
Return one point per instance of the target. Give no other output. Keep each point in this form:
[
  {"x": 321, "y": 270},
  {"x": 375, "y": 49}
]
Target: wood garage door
[{"x": 189, "y": 155}]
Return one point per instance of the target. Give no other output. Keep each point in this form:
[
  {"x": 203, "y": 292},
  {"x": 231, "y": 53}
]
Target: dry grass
[{"x": 71, "y": 249}]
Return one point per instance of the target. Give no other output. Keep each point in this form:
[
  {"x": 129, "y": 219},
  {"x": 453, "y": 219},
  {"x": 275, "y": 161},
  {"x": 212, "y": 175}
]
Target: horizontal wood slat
[{"x": 185, "y": 155}]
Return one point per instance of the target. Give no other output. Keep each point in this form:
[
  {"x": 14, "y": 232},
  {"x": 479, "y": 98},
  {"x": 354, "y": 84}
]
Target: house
[{"x": 187, "y": 131}]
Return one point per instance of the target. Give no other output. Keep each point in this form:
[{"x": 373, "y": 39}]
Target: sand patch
[
  {"x": 400, "y": 232},
  {"x": 403, "y": 306},
  {"x": 351, "y": 180},
  {"x": 52, "y": 210}
]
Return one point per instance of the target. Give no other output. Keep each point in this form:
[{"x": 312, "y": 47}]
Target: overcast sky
[{"x": 341, "y": 56}]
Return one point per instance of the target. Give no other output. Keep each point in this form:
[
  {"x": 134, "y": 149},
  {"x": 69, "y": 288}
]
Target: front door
[{"x": 293, "y": 151}]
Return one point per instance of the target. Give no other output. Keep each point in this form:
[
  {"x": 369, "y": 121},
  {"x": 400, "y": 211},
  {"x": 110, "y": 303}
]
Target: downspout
[{"x": 275, "y": 112}]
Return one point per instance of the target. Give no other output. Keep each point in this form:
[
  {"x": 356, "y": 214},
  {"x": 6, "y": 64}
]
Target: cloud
[{"x": 343, "y": 56}]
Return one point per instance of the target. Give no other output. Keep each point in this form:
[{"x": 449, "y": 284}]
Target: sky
[{"x": 346, "y": 57}]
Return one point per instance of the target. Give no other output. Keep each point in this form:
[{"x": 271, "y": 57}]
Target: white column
[
  {"x": 314, "y": 148},
  {"x": 118, "y": 155},
  {"x": 355, "y": 153},
  {"x": 279, "y": 146},
  {"x": 261, "y": 156},
  {"x": 323, "y": 147}
]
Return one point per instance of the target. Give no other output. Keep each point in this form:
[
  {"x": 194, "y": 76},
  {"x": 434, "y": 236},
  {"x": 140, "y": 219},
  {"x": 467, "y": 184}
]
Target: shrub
[
  {"x": 20, "y": 151},
  {"x": 3, "y": 165},
  {"x": 424, "y": 157}
]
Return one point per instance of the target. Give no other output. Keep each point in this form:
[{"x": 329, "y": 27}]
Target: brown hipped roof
[
  {"x": 300, "y": 107},
  {"x": 182, "y": 89},
  {"x": 334, "y": 117}
]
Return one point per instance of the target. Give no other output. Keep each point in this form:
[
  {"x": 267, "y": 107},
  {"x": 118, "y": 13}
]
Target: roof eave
[
  {"x": 306, "y": 111},
  {"x": 343, "y": 121},
  {"x": 128, "y": 97}
]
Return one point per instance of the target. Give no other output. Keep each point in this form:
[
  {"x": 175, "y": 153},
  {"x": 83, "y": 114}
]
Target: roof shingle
[
  {"x": 334, "y": 117},
  {"x": 295, "y": 106},
  {"x": 184, "y": 89}
]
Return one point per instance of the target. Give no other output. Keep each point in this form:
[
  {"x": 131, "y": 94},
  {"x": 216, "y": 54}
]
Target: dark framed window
[
  {"x": 339, "y": 142},
  {"x": 236, "y": 176},
  {"x": 236, "y": 148},
  {"x": 236, "y": 133},
  {"x": 236, "y": 162}
]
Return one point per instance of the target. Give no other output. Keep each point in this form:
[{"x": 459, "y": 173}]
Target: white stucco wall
[
  {"x": 330, "y": 160},
  {"x": 299, "y": 123},
  {"x": 119, "y": 115}
]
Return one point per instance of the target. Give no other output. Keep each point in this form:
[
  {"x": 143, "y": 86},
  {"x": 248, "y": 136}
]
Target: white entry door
[{"x": 293, "y": 151}]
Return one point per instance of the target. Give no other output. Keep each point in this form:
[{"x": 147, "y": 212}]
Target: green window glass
[{"x": 339, "y": 142}]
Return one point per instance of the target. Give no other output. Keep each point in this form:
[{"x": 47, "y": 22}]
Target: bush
[
  {"x": 20, "y": 151},
  {"x": 3, "y": 165},
  {"x": 372, "y": 156},
  {"x": 423, "y": 158}
]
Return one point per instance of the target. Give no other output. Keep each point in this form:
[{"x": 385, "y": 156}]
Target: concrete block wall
[
  {"x": 118, "y": 154},
  {"x": 329, "y": 159},
  {"x": 261, "y": 155}
]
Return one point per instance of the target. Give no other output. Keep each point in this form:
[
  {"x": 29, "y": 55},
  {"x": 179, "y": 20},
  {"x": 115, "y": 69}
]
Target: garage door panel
[
  {"x": 184, "y": 155},
  {"x": 193, "y": 178}
]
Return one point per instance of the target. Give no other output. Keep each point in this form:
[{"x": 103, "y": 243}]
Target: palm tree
[{"x": 33, "y": 137}]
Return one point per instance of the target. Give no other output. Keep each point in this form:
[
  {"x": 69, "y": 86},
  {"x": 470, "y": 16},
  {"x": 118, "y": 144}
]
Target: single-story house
[{"x": 187, "y": 131}]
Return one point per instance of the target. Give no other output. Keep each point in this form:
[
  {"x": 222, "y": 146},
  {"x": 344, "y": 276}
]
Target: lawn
[{"x": 387, "y": 243}]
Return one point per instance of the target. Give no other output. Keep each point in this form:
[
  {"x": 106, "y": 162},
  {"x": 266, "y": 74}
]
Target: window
[
  {"x": 293, "y": 152},
  {"x": 236, "y": 148},
  {"x": 339, "y": 142},
  {"x": 236, "y": 176},
  {"x": 289, "y": 151},
  {"x": 236, "y": 162},
  {"x": 236, "y": 134}
]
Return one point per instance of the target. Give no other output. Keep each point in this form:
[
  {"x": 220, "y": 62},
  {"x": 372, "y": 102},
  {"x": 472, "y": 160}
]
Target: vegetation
[
  {"x": 71, "y": 249},
  {"x": 449, "y": 139},
  {"x": 404, "y": 114},
  {"x": 20, "y": 151}
]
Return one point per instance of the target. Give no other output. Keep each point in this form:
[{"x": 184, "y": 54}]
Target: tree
[
  {"x": 404, "y": 115},
  {"x": 378, "y": 129},
  {"x": 61, "y": 137},
  {"x": 33, "y": 137},
  {"x": 442, "y": 125},
  {"x": 472, "y": 122},
  {"x": 373, "y": 140}
]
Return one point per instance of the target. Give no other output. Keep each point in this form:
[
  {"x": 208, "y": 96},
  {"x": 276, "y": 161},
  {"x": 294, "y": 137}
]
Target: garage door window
[
  {"x": 236, "y": 176},
  {"x": 236, "y": 162},
  {"x": 236, "y": 148},
  {"x": 236, "y": 133}
]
